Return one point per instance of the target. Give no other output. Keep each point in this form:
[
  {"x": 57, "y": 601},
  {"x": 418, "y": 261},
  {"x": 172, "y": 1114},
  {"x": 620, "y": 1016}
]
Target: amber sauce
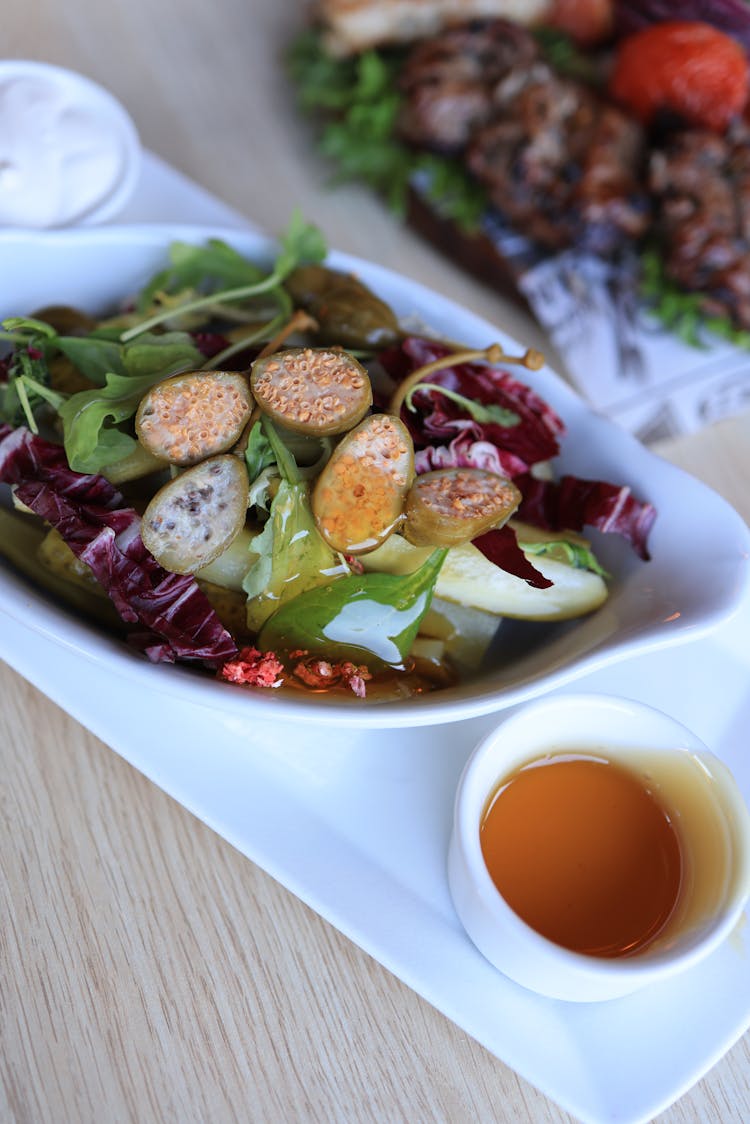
[{"x": 584, "y": 852}]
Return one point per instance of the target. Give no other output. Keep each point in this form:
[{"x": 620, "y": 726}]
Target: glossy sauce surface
[{"x": 584, "y": 852}]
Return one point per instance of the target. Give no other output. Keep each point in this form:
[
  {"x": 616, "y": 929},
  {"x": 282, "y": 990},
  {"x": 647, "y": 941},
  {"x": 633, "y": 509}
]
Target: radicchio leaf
[
  {"x": 573, "y": 503},
  {"x": 101, "y": 530},
  {"x": 501, "y": 547},
  {"x": 462, "y": 452},
  {"x": 438, "y": 419}
]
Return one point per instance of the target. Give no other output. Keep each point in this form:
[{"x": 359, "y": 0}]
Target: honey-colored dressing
[{"x": 584, "y": 852}]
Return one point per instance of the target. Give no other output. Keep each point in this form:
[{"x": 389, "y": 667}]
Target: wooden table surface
[{"x": 149, "y": 972}]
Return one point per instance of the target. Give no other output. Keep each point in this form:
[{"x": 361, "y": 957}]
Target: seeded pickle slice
[
  {"x": 453, "y": 505},
  {"x": 358, "y": 499},
  {"x": 312, "y": 390},
  {"x": 189, "y": 417},
  {"x": 195, "y": 517}
]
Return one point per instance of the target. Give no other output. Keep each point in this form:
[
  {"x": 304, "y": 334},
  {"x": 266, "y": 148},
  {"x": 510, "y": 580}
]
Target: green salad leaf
[
  {"x": 486, "y": 413},
  {"x": 95, "y": 356},
  {"x": 90, "y": 417},
  {"x": 259, "y": 452},
  {"x": 26, "y": 389},
  {"x": 361, "y": 617},
  {"x": 577, "y": 555},
  {"x": 300, "y": 242},
  {"x": 291, "y": 556},
  {"x": 681, "y": 312},
  {"x": 358, "y": 105},
  {"x": 207, "y": 268}
]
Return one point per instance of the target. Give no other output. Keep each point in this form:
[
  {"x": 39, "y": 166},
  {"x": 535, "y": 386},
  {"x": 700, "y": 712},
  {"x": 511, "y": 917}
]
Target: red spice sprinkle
[
  {"x": 321, "y": 675},
  {"x": 254, "y": 668}
]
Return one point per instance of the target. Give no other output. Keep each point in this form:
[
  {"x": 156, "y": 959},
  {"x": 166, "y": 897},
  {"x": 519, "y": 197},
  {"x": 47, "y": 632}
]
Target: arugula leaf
[
  {"x": 22, "y": 326},
  {"x": 24, "y": 373},
  {"x": 26, "y": 387},
  {"x": 485, "y": 413},
  {"x": 300, "y": 242},
  {"x": 94, "y": 356},
  {"x": 577, "y": 555},
  {"x": 259, "y": 452},
  {"x": 88, "y": 417},
  {"x": 363, "y": 616},
  {"x": 216, "y": 265}
]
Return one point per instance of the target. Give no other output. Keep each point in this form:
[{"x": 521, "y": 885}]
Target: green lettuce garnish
[
  {"x": 291, "y": 555},
  {"x": 90, "y": 418},
  {"x": 578, "y": 555},
  {"x": 491, "y": 413},
  {"x": 300, "y": 242},
  {"x": 361, "y": 617},
  {"x": 682, "y": 312},
  {"x": 358, "y": 105}
]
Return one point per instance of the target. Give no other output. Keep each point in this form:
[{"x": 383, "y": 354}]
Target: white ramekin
[{"x": 633, "y": 734}]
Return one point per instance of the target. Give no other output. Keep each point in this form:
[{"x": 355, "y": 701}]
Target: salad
[{"x": 258, "y": 470}]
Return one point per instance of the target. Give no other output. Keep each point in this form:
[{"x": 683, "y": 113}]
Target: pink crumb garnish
[
  {"x": 322, "y": 674},
  {"x": 254, "y": 669}
]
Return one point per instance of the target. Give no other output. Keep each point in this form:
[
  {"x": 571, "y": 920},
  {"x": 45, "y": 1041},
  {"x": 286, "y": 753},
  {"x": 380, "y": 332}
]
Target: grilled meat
[
  {"x": 700, "y": 182},
  {"x": 452, "y": 82},
  {"x": 556, "y": 160}
]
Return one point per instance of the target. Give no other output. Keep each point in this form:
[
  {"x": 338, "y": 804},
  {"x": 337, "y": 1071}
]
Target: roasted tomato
[{"x": 685, "y": 67}]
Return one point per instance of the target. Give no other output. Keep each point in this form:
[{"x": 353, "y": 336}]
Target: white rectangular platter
[
  {"x": 374, "y": 807},
  {"x": 356, "y": 823}
]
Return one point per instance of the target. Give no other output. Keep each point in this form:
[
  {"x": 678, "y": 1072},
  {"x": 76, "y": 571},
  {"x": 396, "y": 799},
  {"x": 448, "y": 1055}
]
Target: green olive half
[{"x": 346, "y": 311}]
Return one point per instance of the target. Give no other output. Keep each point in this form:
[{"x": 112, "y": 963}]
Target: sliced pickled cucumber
[
  {"x": 195, "y": 415},
  {"x": 359, "y": 496},
  {"x": 453, "y": 505},
  {"x": 195, "y": 517},
  {"x": 320, "y": 391}
]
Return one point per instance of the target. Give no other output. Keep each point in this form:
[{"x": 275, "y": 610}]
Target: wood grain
[{"x": 148, "y": 972}]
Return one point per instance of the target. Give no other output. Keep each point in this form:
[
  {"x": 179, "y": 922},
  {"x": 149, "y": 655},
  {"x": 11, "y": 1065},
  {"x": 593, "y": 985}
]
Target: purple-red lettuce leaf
[
  {"x": 573, "y": 503},
  {"x": 463, "y": 452},
  {"x": 101, "y": 530},
  {"x": 501, "y": 547},
  {"x": 437, "y": 419}
]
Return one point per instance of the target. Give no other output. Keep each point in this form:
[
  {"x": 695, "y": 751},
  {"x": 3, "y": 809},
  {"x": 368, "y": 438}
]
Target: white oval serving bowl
[
  {"x": 632, "y": 733},
  {"x": 700, "y": 547}
]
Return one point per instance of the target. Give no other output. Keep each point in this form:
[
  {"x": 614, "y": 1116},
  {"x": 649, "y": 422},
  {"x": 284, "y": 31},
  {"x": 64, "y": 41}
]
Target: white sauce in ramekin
[{"x": 68, "y": 151}]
